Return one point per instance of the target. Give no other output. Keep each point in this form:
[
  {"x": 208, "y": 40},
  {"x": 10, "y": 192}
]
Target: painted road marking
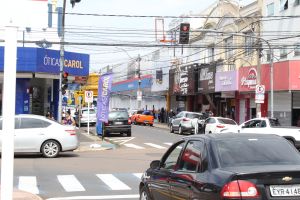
[
  {"x": 129, "y": 196},
  {"x": 112, "y": 182},
  {"x": 134, "y": 146},
  {"x": 155, "y": 146},
  {"x": 70, "y": 183},
  {"x": 28, "y": 184},
  {"x": 169, "y": 144}
]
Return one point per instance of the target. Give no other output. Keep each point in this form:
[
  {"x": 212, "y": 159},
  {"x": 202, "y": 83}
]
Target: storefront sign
[
  {"x": 132, "y": 84},
  {"x": 206, "y": 78},
  {"x": 74, "y": 63},
  {"x": 182, "y": 80},
  {"x": 250, "y": 79},
  {"x": 226, "y": 81}
]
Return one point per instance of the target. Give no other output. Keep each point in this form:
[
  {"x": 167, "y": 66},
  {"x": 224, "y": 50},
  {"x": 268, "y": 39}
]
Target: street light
[{"x": 271, "y": 60}]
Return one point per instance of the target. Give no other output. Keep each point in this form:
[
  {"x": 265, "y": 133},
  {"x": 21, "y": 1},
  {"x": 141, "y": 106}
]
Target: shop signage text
[
  {"x": 251, "y": 79},
  {"x": 51, "y": 61}
]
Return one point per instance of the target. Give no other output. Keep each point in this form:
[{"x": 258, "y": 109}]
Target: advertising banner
[
  {"x": 206, "y": 82},
  {"x": 226, "y": 81},
  {"x": 104, "y": 89}
]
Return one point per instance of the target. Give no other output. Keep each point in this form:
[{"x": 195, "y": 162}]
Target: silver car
[
  {"x": 37, "y": 134},
  {"x": 183, "y": 122},
  {"x": 84, "y": 117}
]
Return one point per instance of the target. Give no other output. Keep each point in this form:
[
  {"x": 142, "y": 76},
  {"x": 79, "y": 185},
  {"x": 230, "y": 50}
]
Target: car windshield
[
  {"x": 147, "y": 112},
  {"x": 92, "y": 111},
  {"x": 115, "y": 115},
  {"x": 194, "y": 115},
  {"x": 274, "y": 122},
  {"x": 226, "y": 121},
  {"x": 256, "y": 151}
]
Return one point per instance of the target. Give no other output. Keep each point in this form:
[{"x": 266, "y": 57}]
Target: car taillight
[
  {"x": 129, "y": 121},
  {"x": 220, "y": 126},
  {"x": 72, "y": 132},
  {"x": 185, "y": 119},
  {"x": 239, "y": 189}
]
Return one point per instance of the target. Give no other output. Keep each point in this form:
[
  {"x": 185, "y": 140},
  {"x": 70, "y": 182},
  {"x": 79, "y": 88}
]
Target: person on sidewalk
[
  {"x": 69, "y": 119},
  {"x": 195, "y": 125}
]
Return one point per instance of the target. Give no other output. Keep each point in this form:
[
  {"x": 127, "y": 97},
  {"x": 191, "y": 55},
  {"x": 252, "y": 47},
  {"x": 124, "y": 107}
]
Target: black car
[
  {"x": 118, "y": 122},
  {"x": 223, "y": 167}
]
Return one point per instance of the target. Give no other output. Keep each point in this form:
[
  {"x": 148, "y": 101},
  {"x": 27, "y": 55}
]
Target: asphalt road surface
[{"x": 108, "y": 174}]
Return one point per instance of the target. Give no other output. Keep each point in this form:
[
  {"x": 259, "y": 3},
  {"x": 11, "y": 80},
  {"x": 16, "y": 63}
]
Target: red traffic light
[{"x": 65, "y": 74}]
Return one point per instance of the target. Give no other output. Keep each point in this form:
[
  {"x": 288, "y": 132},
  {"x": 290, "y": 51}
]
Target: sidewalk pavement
[{"x": 161, "y": 125}]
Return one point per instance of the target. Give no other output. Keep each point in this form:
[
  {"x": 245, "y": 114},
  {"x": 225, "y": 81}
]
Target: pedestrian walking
[{"x": 69, "y": 119}]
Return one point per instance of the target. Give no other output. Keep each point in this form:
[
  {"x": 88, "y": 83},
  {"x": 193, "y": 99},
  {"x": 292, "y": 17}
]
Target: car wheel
[
  {"x": 129, "y": 134},
  {"x": 144, "y": 194},
  {"x": 180, "y": 130},
  {"x": 50, "y": 149},
  {"x": 171, "y": 128},
  {"x": 151, "y": 124}
]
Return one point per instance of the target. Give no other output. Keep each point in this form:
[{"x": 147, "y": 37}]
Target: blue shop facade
[{"x": 37, "y": 84}]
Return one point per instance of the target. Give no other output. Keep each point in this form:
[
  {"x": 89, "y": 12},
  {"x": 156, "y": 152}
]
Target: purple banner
[
  {"x": 226, "y": 81},
  {"x": 104, "y": 89}
]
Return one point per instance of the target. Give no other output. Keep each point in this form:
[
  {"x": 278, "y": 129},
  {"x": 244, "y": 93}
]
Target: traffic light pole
[{"x": 61, "y": 68}]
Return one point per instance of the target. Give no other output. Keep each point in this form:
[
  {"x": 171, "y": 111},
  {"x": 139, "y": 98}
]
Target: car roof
[{"x": 225, "y": 136}]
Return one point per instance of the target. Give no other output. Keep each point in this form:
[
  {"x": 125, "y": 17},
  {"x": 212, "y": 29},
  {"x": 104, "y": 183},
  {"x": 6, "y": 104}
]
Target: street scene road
[{"x": 90, "y": 173}]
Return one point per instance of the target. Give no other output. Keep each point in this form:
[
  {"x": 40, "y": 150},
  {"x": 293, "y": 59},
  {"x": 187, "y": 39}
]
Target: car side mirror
[{"x": 155, "y": 164}]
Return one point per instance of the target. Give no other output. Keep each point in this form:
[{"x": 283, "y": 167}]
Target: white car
[
  {"x": 219, "y": 125},
  {"x": 265, "y": 125},
  {"x": 37, "y": 134},
  {"x": 84, "y": 117}
]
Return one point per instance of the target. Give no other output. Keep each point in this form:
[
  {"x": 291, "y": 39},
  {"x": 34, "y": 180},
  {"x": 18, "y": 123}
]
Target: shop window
[
  {"x": 297, "y": 49},
  {"x": 249, "y": 42},
  {"x": 284, "y": 5},
  {"x": 270, "y": 9},
  {"x": 283, "y": 53}
]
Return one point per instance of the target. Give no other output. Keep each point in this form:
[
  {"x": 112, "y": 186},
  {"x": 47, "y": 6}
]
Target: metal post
[
  {"x": 271, "y": 81},
  {"x": 258, "y": 78},
  {"x": 88, "y": 124},
  {"x": 139, "y": 81},
  {"x": 62, "y": 59}
]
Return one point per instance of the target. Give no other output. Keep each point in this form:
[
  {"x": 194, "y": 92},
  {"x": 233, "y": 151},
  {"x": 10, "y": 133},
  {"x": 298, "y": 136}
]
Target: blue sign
[
  {"x": 48, "y": 61},
  {"x": 132, "y": 84}
]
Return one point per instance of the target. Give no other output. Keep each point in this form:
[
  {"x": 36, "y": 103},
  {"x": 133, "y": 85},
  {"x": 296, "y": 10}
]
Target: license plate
[
  {"x": 118, "y": 122},
  {"x": 285, "y": 190}
]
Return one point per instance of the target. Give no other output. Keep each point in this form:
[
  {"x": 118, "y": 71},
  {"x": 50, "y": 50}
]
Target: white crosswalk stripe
[
  {"x": 155, "y": 146},
  {"x": 70, "y": 183},
  {"x": 134, "y": 146},
  {"x": 28, "y": 184},
  {"x": 112, "y": 182}
]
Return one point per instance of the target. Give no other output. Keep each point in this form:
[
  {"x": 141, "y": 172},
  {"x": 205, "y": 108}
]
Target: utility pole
[
  {"x": 139, "y": 92},
  {"x": 259, "y": 49},
  {"x": 62, "y": 59}
]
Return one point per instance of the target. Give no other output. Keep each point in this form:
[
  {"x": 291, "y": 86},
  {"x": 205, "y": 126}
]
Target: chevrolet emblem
[{"x": 287, "y": 178}]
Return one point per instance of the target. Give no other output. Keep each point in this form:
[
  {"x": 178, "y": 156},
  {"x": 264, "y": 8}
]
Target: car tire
[
  {"x": 180, "y": 130},
  {"x": 171, "y": 128},
  {"x": 50, "y": 149},
  {"x": 129, "y": 134},
  {"x": 151, "y": 124},
  {"x": 144, "y": 194}
]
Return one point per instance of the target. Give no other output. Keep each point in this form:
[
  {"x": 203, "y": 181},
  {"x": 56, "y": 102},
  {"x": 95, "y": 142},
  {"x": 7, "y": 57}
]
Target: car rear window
[
  {"x": 261, "y": 151},
  {"x": 194, "y": 115},
  {"x": 147, "y": 112},
  {"x": 226, "y": 121},
  {"x": 274, "y": 122},
  {"x": 92, "y": 111},
  {"x": 118, "y": 115}
]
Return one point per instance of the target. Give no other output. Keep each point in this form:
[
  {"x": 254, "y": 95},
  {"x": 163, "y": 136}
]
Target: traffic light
[
  {"x": 64, "y": 82},
  {"x": 73, "y": 2},
  {"x": 184, "y": 33}
]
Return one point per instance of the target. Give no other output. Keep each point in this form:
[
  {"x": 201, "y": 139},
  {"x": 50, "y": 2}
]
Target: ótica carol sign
[{"x": 104, "y": 90}]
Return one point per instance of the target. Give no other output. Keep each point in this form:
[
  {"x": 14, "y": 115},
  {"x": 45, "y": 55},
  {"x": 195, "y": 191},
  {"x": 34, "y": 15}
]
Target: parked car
[
  {"x": 37, "y": 134},
  {"x": 266, "y": 125},
  {"x": 143, "y": 117},
  {"x": 182, "y": 122},
  {"x": 118, "y": 122},
  {"x": 219, "y": 125},
  {"x": 84, "y": 117},
  {"x": 223, "y": 167}
]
